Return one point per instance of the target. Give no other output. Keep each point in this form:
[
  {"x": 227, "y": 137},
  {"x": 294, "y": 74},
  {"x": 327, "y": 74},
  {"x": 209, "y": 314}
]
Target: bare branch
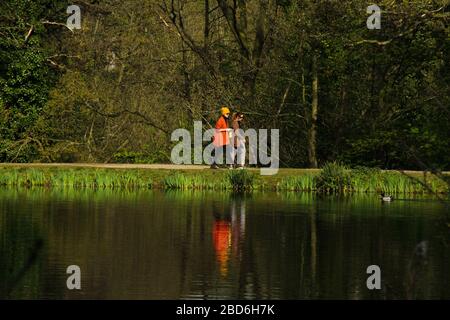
[
  {"x": 55, "y": 64},
  {"x": 230, "y": 16},
  {"x": 126, "y": 111},
  {"x": 30, "y": 32},
  {"x": 177, "y": 22},
  {"x": 56, "y": 24},
  {"x": 64, "y": 55},
  {"x": 380, "y": 43}
]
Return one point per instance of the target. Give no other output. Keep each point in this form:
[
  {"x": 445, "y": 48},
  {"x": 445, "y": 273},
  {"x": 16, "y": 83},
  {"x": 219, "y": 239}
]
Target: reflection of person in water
[
  {"x": 222, "y": 241},
  {"x": 228, "y": 230}
]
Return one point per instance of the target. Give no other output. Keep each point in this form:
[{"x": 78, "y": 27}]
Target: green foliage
[
  {"x": 334, "y": 177},
  {"x": 124, "y": 82},
  {"x": 75, "y": 178},
  {"x": 304, "y": 182},
  {"x": 179, "y": 181},
  {"x": 126, "y": 156},
  {"x": 330, "y": 180},
  {"x": 366, "y": 179},
  {"x": 25, "y": 75},
  {"x": 241, "y": 180}
]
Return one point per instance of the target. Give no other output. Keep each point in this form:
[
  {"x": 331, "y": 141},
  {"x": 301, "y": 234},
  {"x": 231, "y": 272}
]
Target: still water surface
[{"x": 205, "y": 245}]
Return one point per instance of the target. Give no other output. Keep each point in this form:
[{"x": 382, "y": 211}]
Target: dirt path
[
  {"x": 160, "y": 166},
  {"x": 107, "y": 165}
]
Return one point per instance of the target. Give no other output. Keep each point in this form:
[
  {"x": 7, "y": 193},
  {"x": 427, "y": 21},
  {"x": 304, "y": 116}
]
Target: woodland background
[{"x": 114, "y": 90}]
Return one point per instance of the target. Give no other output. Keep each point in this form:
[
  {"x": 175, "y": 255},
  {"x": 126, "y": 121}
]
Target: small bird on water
[{"x": 386, "y": 198}]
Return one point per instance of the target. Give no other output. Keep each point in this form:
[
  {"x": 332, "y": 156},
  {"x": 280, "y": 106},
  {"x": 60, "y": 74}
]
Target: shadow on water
[
  {"x": 18, "y": 259},
  {"x": 197, "y": 245}
]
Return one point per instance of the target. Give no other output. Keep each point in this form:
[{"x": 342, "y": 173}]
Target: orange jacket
[{"x": 221, "y": 137}]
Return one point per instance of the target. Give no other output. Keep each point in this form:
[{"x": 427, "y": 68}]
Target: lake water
[{"x": 209, "y": 245}]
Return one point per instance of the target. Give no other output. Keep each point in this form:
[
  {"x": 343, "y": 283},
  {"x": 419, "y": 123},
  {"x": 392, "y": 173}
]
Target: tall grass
[
  {"x": 238, "y": 180},
  {"x": 77, "y": 178},
  {"x": 376, "y": 180},
  {"x": 241, "y": 180},
  {"x": 303, "y": 182},
  {"x": 337, "y": 178},
  {"x": 178, "y": 181},
  {"x": 333, "y": 178}
]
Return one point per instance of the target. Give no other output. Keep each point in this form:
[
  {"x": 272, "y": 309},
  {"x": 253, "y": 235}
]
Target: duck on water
[{"x": 386, "y": 198}]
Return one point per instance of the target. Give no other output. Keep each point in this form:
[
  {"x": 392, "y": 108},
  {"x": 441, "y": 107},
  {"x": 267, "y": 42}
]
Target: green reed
[
  {"x": 179, "y": 181},
  {"x": 77, "y": 178},
  {"x": 303, "y": 182},
  {"x": 241, "y": 180},
  {"x": 333, "y": 178}
]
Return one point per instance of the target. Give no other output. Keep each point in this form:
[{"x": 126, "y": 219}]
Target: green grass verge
[{"x": 331, "y": 179}]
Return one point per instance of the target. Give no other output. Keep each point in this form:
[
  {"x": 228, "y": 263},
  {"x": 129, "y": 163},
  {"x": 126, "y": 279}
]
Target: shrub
[
  {"x": 241, "y": 180},
  {"x": 334, "y": 177}
]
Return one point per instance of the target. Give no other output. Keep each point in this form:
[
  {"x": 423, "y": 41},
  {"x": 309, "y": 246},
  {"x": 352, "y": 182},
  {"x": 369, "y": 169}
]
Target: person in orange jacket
[{"x": 222, "y": 140}]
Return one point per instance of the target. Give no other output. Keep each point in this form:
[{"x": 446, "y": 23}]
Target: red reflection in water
[
  {"x": 222, "y": 242},
  {"x": 228, "y": 231}
]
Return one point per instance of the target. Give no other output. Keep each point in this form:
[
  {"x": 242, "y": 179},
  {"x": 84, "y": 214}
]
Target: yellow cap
[{"x": 224, "y": 110}]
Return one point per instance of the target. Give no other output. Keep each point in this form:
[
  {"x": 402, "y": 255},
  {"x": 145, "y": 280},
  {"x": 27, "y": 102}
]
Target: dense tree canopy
[{"x": 114, "y": 90}]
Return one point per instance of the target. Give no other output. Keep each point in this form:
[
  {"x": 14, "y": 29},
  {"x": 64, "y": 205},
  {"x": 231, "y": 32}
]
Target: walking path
[
  {"x": 107, "y": 165},
  {"x": 156, "y": 166}
]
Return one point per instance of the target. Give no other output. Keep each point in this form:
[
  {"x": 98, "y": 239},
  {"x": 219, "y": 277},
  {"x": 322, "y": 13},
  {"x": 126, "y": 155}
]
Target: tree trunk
[
  {"x": 312, "y": 133},
  {"x": 206, "y": 28}
]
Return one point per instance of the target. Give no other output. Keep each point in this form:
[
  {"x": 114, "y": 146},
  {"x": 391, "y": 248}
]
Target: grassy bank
[{"x": 331, "y": 179}]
